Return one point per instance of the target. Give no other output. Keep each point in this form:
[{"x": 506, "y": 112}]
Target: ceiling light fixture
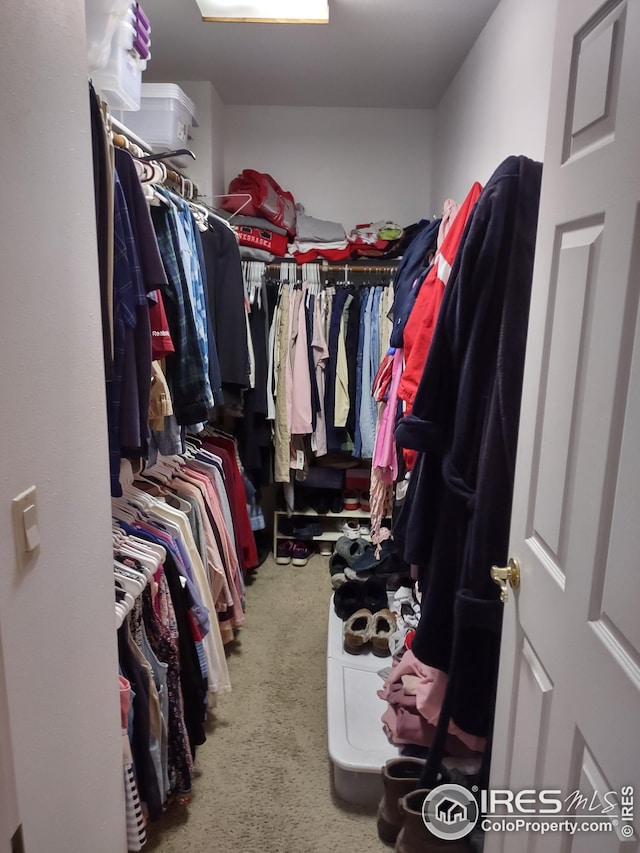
[{"x": 265, "y": 11}]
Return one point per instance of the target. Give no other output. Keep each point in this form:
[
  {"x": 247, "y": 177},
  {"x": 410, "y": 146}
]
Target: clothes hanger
[
  {"x": 127, "y": 581},
  {"x": 123, "y": 511},
  {"x": 131, "y": 572},
  {"x": 125, "y": 597},
  {"x": 166, "y": 155},
  {"x": 222, "y": 220},
  {"x": 156, "y": 552},
  {"x": 146, "y": 561},
  {"x": 248, "y": 198}
]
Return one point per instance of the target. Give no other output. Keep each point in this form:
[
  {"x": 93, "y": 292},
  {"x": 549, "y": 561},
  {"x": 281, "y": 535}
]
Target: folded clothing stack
[
  {"x": 259, "y": 239},
  {"x": 319, "y": 238}
]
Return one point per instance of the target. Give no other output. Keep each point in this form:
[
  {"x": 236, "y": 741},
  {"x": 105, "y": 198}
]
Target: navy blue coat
[
  {"x": 414, "y": 264},
  {"x": 457, "y": 513}
]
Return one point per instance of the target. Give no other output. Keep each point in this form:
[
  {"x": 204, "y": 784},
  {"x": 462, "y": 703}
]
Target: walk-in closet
[{"x": 320, "y": 397}]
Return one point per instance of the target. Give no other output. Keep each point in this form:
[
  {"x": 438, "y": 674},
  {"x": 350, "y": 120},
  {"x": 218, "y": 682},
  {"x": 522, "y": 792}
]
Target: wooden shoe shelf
[{"x": 332, "y": 523}]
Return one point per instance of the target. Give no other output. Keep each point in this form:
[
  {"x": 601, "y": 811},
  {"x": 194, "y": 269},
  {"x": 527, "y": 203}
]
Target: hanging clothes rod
[
  {"x": 389, "y": 266},
  {"x": 123, "y": 130},
  {"x": 127, "y": 139}
]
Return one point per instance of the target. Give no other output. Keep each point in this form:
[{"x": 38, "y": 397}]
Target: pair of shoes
[
  {"x": 368, "y": 562},
  {"x": 364, "y": 630},
  {"x": 356, "y": 500},
  {"x": 289, "y": 551},
  {"x": 414, "y": 837},
  {"x": 336, "y": 502},
  {"x": 337, "y": 565},
  {"x": 351, "y": 501},
  {"x": 351, "y": 529},
  {"x": 354, "y": 530},
  {"x": 399, "y": 817},
  {"x": 317, "y": 499},
  {"x": 300, "y": 529},
  {"x": 304, "y": 532},
  {"x": 350, "y": 549},
  {"x": 352, "y": 596}
]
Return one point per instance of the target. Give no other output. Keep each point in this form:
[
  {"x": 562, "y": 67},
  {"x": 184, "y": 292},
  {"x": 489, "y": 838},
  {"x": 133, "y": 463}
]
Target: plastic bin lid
[{"x": 170, "y": 90}]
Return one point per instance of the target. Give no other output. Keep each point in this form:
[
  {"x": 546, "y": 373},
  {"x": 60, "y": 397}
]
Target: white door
[
  {"x": 8, "y": 803},
  {"x": 568, "y": 713}
]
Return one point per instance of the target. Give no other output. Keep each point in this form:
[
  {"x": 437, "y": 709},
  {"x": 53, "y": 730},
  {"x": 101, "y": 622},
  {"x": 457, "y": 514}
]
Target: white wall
[
  {"x": 347, "y": 165},
  {"x": 208, "y": 138},
  {"x": 497, "y": 104},
  {"x": 57, "y": 617},
  {"x": 200, "y": 170},
  {"x": 218, "y": 117}
]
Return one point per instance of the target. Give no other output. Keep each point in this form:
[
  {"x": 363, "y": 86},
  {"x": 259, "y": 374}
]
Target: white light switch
[
  {"x": 30, "y": 520},
  {"x": 25, "y": 526}
]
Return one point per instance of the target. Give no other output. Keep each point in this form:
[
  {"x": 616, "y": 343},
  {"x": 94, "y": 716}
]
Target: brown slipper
[
  {"x": 384, "y": 625},
  {"x": 357, "y": 631}
]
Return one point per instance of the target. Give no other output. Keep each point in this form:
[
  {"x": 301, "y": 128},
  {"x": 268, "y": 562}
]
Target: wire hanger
[{"x": 248, "y": 198}]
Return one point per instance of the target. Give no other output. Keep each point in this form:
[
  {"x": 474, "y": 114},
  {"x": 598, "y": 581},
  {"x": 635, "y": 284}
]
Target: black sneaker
[{"x": 336, "y": 501}]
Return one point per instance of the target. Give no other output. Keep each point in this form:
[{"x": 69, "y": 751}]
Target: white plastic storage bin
[
  {"x": 165, "y": 118},
  {"x": 358, "y": 746}
]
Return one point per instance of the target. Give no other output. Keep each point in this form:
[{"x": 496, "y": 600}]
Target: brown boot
[
  {"x": 400, "y": 776},
  {"x": 415, "y": 837}
]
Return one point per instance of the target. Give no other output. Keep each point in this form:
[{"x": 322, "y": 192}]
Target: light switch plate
[{"x": 25, "y": 527}]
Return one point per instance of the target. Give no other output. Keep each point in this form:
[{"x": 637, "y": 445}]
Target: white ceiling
[{"x": 373, "y": 53}]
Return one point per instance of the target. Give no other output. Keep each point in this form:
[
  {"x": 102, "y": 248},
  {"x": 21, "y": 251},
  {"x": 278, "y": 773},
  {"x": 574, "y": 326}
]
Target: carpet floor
[{"x": 265, "y": 784}]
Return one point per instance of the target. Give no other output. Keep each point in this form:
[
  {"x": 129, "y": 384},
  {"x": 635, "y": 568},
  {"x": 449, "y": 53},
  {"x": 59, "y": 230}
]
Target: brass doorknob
[{"x": 506, "y": 575}]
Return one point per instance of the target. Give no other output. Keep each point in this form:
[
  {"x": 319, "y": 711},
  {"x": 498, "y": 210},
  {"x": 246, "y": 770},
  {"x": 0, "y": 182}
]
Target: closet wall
[
  {"x": 360, "y": 164},
  {"x": 56, "y": 617},
  {"x": 497, "y": 104},
  {"x": 349, "y": 165},
  {"x": 208, "y": 138}
]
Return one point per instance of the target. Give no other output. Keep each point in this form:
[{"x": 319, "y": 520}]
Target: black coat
[
  {"x": 225, "y": 297},
  {"x": 465, "y": 421}
]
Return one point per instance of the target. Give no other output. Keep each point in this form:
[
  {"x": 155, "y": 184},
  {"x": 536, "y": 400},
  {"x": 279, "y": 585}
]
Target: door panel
[
  {"x": 568, "y": 711},
  {"x": 576, "y": 262},
  {"x": 594, "y": 82}
]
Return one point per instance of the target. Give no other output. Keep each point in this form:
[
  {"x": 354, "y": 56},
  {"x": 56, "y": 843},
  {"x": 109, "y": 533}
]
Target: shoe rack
[{"x": 331, "y": 522}]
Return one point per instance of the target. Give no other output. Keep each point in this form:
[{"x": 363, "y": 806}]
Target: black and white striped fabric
[{"x": 136, "y": 832}]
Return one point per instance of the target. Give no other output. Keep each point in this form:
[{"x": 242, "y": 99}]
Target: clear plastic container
[
  {"x": 120, "y": 81},
  {"x": 165, "y": 118}
]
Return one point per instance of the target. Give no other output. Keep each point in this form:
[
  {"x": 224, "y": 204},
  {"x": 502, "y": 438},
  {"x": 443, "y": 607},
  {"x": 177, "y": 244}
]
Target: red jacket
[{"x": 421, "y": 324}]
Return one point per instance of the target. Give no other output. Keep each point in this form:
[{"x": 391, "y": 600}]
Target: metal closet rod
[
  {"x": 121, "y": 130},
  {"x": 388, "y": 267}
]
